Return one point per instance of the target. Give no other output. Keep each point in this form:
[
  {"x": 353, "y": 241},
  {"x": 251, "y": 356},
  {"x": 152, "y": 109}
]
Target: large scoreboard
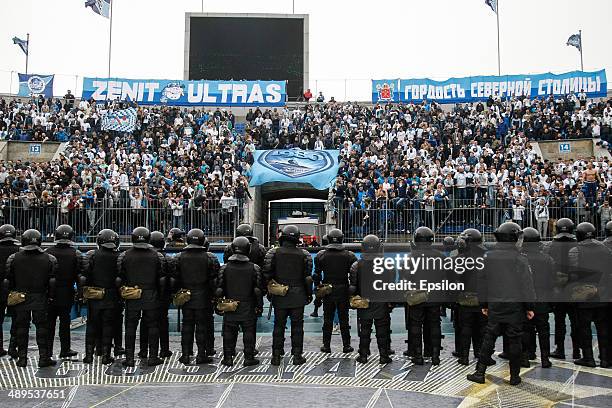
[{"x": 248, "y": 47}]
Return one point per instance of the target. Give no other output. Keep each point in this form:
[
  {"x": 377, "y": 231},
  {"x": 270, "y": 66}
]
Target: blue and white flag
[
  {"x": 123, "y": 120},
  {"x": 101, "y": 7},
  {"x": 23, "y": 44},
  {"x": 318, "y": 168},
  {"x": 575, "y": 40},
  {"x": 33, "y": 84},
  {"x": 492, "y": 4}
]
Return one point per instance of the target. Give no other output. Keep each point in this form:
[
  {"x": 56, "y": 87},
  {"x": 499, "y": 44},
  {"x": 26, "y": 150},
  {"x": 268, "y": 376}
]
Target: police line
[
  {"x": 478, "y": 88},
  {"x": 186, "y": 93}
]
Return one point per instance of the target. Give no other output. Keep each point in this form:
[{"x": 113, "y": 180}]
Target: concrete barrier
[{"x": 28, "y": 151}]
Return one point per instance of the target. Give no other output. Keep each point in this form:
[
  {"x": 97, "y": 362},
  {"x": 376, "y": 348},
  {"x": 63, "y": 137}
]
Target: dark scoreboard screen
[{"x": 248, "y": 48}]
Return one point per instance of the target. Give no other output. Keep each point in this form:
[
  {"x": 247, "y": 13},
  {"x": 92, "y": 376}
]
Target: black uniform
[
  {"x": 590, "y": 264},
  {"x": 505, "y": 284},
  {"x": 291, "y": 266},
  {"x": 558, "y": 249},
  {"x": 543, "y": 273},
  {"x": 100, "y": 270},
  {"x": 427, "y": 312},
  {"x": 7, "y": 248},
  {"x": 196, "y": 270},
  {"x": 471, "y": 322},
  {"x": 142, "y": 267},
  {"x": 238, "y": 280},
  {"x": 378, "y": 313},
  {"x": 256, "y": 255},
  {"x": 32, "y": 272},
  {"x": 70, "y": 266},
  {"x": 164, "y": 305},
  {"x": 333, "y": 266}
]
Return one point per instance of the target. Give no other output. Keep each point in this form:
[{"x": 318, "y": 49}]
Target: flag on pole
[
  {"x": 575, "y": 40},
  {"x": 23, "y": 44},
  {"x": 123, "y": 120},
  {"x": 101, "y": 7},
  {"x": 492, "y": 4}
]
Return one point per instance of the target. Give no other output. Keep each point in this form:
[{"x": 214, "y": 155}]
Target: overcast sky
[{"x": 357, "y": 40}]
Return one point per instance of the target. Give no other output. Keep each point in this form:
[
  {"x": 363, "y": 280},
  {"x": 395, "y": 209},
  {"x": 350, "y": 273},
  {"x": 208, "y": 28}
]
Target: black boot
[
  {"x": 479, "y": 375},
  {"x": 435, "y": 356},
  {"x": 203, "y": 358},
  {"x": 154, "y": 361},
  {"x": 184, "y": 358},
  {"x": 228, "y": 360},
  {"x": 587, "y": 360},
  {"x": 165, "y": 354},
  {"x": 143, "y": 353},
  {"x": 559, "y": 353},
  {"x": 515, "y": 371},
  {"x": 298, "y": 359},
  {"x": 46, "y": 361},
  {"x": 384, "y": 357},
  {"x": 12, "y": 350},
  {"x": 106, "y": 358},
  {"x": 67, "y": 353},
  {"x": 525, "y": 360},
  {"x": 348, "y": 349},
  {"x": 89, "y": 352},
  {"x": 362, "y": 358},
  {"x": 129, "y": 359},
  {"x": 464, "y": 359},
  {"x": 276, "y": 358},
  {"x": 326, "y": 348}
]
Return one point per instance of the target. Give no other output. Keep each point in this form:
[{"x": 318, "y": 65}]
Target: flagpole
[
  {"x": 498, "y": 52},
  {"x": 581, "y": 61},
  {"x": 110, "y": 38},
  {"x": 27, "y": 52}
]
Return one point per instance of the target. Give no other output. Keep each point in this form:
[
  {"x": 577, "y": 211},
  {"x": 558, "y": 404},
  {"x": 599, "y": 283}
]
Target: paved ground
[{"x": 325, "y": 381}]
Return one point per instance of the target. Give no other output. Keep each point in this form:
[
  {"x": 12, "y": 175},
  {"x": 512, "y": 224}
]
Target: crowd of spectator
[{"x": 401, "y": 165}]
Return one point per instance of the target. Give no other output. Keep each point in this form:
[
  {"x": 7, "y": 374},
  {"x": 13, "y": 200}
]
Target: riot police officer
[
  {"x": 471, "y": 323},
  {"x": 196, "y": 271},
  {"x": 99, "y": 283},
  {"x": 241, "y": 281},
  {"x": 558, "y": 249},
  {"x": 258, "y": 251},
  {"x": 176, "y": 239},
  {"x": 426, "y": 309},
  {"x": 141, "y": 272},
  {"x": 318, "y": 302},
  {"x": 608, "y": 231},
  {"x": 507, "y": 293},
  {"x": 590, "y": 262},
  {"x": 158, "y": 242},
  {"x": 543, "y": 274},
  {"x": 332, "y": 267},
  {"x": 361, "y": 282},
  {"x": 8, "y": 246},
  {"x": 70, "y": 264},
  {"x": 30, "y": 274},
  {"x": 290, "y": 266}
]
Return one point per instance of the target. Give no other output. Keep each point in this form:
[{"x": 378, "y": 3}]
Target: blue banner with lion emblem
[
  {"x": 34, "y": 85},
  {"x": 318, "y": 168},
  {"x": 186, "y": 93}
]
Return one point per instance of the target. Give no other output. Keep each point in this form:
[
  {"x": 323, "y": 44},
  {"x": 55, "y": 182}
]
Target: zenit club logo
[{"x": 296, "y": 163}]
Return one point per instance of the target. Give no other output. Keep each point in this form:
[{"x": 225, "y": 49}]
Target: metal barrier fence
[
  {"x": 217, "y": 219},
  {"x": 396, "y": 221}
]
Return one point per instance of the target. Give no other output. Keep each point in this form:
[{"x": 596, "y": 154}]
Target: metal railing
[
  {"x": 396, "y": 221},
  {"x": 217, "y": 219}
]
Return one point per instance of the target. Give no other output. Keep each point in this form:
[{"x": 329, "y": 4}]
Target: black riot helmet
[
  {"x": 471, "y": 236},
  {"x": 175, "y": 234},
  {"x": 244, "y": 230},
  {"x": 158, "y": 240},
  {"x": 241, "y": 247},
  {"x": 107, "y": 238},
  {"x": 290, "y": 233},
  {"x": 195, "y": 239},
  {"x": 8, "y": 233},
  {"x": 371, "y": 244},
  {"x": 508, "y": 232},
  {"x": 64, "y": 234},
  {"x": 31, "y": 239},
  {"x": 324, "y": 240},
  {"x": 585, "y": 230},
  {"x": 335, "y": 237},
  {"x": 531, "y": 235},
  {"x": 423, "y": 235},
  {"x": 608, "y": 229},
  {"x": 565, "y": 228},
  {"x": 141, "y": 237},
  {"x": 448, "y": 243}
]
